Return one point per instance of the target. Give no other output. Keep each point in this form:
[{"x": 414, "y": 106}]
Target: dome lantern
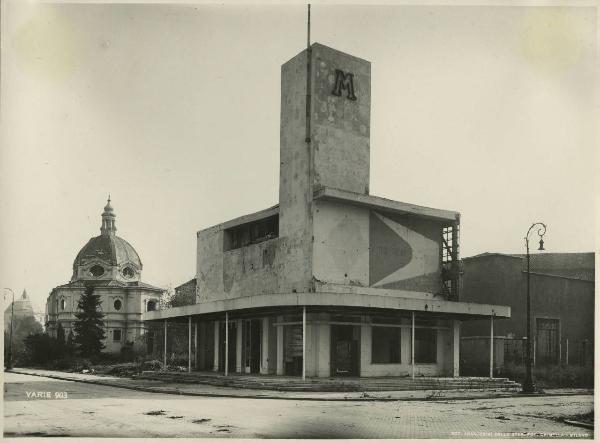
[{"x": 108, "y": 220}]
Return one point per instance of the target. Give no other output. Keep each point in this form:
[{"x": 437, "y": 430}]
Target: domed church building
[{"x": 113, "y": 267}]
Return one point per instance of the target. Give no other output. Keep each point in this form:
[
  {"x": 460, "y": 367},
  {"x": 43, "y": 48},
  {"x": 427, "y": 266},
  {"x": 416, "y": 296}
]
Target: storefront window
[
  {"x": 385, "y": 345},
  {"x": 425, "y": 345}
]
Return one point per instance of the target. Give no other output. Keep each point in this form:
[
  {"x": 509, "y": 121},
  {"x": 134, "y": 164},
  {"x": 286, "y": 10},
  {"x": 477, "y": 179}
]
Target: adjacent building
[
  {"x": 562, "y": 298},
  {"x": 19, "y": 309},
  {"x": 113, "y": 267},
  {"x": 185, "y": 293},
  {"x": 331, "y": 281}
]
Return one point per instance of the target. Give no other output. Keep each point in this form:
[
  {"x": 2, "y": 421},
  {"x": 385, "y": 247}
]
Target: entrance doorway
[
  {"x": 252, "y": 346},
  {"x": 345, "y": 358},
  {"x": 293, "y": 349},
  {"x": 231, "y": 346}
]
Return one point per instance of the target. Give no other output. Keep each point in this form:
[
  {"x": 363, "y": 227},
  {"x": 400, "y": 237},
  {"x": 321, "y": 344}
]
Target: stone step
[
  {"x": 336, "y": 385},
  {"x": 357, "y": 385}
]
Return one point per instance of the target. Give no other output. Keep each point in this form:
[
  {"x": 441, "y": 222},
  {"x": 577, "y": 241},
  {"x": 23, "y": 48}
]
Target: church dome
[
  {"x": 109, "y": 248},
  {"x": 107, "y": 256}
]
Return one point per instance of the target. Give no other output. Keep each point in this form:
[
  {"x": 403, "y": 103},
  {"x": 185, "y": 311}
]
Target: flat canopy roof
[
  {"x": 384, "y": 204},
  {"x": 324, "y": 299}
]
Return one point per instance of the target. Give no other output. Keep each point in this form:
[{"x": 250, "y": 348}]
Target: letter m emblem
[{"x": 344, "y": 82}]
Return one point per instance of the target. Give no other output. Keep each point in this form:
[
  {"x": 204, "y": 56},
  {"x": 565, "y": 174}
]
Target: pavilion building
[{"x": 332, "y": 281}]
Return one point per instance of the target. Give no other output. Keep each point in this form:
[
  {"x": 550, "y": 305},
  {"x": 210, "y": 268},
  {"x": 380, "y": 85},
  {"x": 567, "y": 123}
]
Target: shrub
[
  {"x": 124, "y": 369},
  {"x": 152, "y": 365},
  {"x": 22, "y": 328},
  {"x": 127, "y": 353},
  {"x": 40, "y": 349},
  {"x": 75, "y": 364}
]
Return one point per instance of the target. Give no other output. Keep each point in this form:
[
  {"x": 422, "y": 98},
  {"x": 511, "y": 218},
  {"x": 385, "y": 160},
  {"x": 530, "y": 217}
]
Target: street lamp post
[
  {"x": 12, "y": 313},
  {"x": 528, "y": 386}
]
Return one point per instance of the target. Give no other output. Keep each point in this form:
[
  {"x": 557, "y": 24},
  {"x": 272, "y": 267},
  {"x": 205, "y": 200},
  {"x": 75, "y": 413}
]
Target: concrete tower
[{"x": 330, "y": 150}]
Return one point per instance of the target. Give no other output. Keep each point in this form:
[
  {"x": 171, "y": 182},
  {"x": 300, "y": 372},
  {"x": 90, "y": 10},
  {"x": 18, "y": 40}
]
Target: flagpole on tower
[
  {"x": 308, "y": 33},
  {"x": 308, "y": 84},
  {"x": 308, "y": 135},
  {"x": 310, "y": 167}
]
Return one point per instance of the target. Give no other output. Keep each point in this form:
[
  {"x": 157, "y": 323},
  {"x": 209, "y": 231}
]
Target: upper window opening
[
  {"x": 152, "y": 305},
  {"x": 97, "y": 270},
  {"x": 251, "y": 233}
]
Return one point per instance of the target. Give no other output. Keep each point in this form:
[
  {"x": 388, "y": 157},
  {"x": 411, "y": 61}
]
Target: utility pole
[{"x": 12, "y": 315}]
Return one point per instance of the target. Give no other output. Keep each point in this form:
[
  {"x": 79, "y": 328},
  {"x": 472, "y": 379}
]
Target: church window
[
  {"x": 128, "y": 272},
  {"x": 118, "y": 304},
  {"x": 117, "y": 335},
  {"x": 97, "y": 270},
  {"x": 63, "y": 304}
]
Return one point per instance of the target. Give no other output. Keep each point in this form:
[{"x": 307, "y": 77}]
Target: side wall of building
[
  {"x": 185, "y": 294},
  {"x": 254, "y": 269}
]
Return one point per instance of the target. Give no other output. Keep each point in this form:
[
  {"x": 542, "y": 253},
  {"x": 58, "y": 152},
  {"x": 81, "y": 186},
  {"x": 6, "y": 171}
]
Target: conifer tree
[
  {"x": 60, "y": 340},
  {"x": 70, "y": 343},
  {"x": 89, "y": 326},
  {"x": 60, "y": 334}
]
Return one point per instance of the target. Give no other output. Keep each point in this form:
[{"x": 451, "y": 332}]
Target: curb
[
  {"x": 579, "y": 424},
  {"x": 174, "y": 391}
]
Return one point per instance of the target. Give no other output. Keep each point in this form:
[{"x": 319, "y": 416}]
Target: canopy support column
[
  {"x": 412, "y": 347},
  {"x": 304, "y": 343},
  {"x": 196, "y": 345},
  {"x": 165, "y": 350},
  {"x": 492, "y": 346},
  {"x": 217, "y": 347},
  {"x": 456, "y": 353},
  {"x": 226, "y": 343},
  {"x": 190, "y": 343}
]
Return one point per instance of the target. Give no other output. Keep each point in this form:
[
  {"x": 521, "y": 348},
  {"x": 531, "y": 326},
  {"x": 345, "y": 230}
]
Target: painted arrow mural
[{"x": 401, "y": 257}]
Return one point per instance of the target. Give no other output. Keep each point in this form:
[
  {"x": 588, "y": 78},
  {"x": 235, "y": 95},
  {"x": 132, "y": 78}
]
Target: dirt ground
[{"x": 77, "y": 409}]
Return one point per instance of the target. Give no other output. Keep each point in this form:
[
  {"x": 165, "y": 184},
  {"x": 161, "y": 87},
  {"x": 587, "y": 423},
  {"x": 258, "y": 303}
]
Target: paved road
[{"x": 102, "y": 411}]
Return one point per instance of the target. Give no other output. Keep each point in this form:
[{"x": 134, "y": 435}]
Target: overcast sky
[{"x": 174, "y": 111}]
